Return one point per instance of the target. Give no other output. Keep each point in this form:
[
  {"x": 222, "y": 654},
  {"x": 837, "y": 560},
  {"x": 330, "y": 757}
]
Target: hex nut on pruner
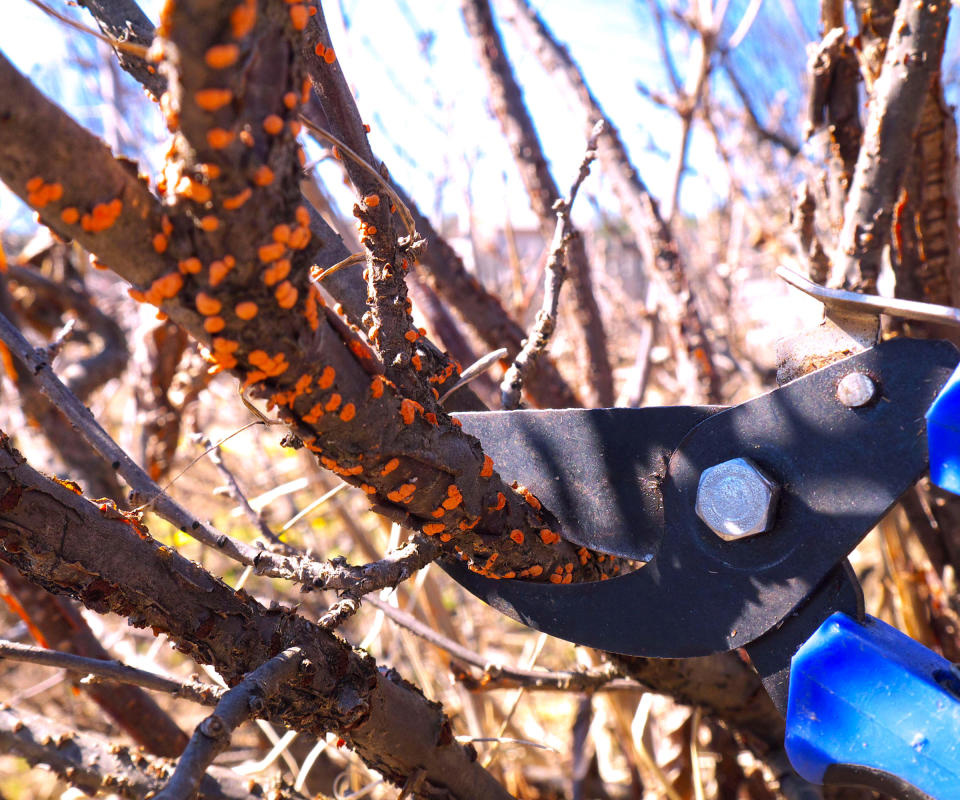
[{"x": 737, "y": 499}]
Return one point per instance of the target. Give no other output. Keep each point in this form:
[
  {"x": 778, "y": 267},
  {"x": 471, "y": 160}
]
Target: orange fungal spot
[
  {"x": 160, "y": 243},
  {"x": 271, "y": 252},
  {"x": 371, "y": 200},
  {"x": 327, "y": 376},
  {"x": 212, "y": 99},
  {"x": 214, "y": 324},
  {"x": 349, "y": 412},
  {"x": 233, "y": 203},
  {"x": 390, "y": 466},
  {"x": 432, "y": 528},
  {"x": 299, "y": 17},
  {"x": 517, "y": 535},
  {"x": 219, "y": 138},
  {"x": 263, "y": 176},
  {"x": 246, "y": 310},
  {"x": 329, "y": 56},
  {"x": 70, "y": 215},
  {"x": 290, "y": 100},
  {"x": 209, "y": 223},
  {"x": 243, "y": 18},
  {"x": 221, "y": 56},
  {"x": 286, "y": 295},
  {"x": 207, "y": 305},
  {"x": 487, "y": 469},
  {"x": 273, "y": 124}
]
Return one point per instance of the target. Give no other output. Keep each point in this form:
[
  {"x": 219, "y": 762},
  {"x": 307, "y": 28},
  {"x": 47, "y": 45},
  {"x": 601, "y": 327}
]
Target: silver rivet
[
  {"x": 856, "y": 389},
  {"x": 736, "y": 499}
]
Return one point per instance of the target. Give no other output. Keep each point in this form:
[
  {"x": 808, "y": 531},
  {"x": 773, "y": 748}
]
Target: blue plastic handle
[
  {"x": 867, "y": 700},
  {"x": 943, "y": 436}
]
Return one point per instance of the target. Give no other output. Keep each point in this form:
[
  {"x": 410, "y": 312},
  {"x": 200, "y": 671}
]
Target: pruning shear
[{"x": 743, "y": 518}]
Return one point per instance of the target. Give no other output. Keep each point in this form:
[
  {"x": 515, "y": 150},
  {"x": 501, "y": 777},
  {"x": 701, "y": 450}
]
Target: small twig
[
  {"x": 818, "y": 262},
  {"x": 128, "y": 47},
  {"x": 349, "y": 261},
  {"x": 311, "y": 506},
  {"x": 64, "y": 335},
  {"x": 212, "y": 736},
  {"x": 346, "y": 606},
  {"x": 497, "y": 676},
  {"x": 474, "y": 371},
  {"x": 202, "y": 693},
  {"x": 233, "y": 488},
  {"x": 546, "y": 322},
  {"x": 343, "y": 149}
]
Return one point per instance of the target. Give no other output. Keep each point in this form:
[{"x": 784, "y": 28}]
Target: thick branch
[
  {"x": 305, "y": 359},
  {"x": 912, "y": 60},
  {"x": 57, "y": 538}
]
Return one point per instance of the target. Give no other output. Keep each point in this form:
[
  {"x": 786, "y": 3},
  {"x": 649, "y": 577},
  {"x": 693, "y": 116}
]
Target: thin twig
[
  {"x": 345, "y": 150},
  {"x": 354, "y": 258},
  {"x": 216, "y": 456},
  {"x": 202, "y": 693},
  {"x": 546, "y": 322},
  {"x": 498, "y": 676},
  {"x": 212, "y": 736},
  {"x": 128, "y": 47},
  {"x": 474, "y": 371}
]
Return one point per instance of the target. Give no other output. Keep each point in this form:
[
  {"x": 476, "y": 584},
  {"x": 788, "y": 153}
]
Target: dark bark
[
  {"x": 95, "y": 764},
  {"x": 443, "y": 269},
  {"x": 65, "y": 543},
  {"x": 518, "y": 129}
]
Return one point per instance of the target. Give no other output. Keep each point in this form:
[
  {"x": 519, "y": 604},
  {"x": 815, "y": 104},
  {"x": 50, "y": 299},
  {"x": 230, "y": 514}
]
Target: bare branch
[
  {"x": 546, "y": 321},
  {"x": 95, "y": 764},
  {"x": 213, "y": 735},
  {"x": 205, "y": 694},
  {"x": 542, "y": 190}
]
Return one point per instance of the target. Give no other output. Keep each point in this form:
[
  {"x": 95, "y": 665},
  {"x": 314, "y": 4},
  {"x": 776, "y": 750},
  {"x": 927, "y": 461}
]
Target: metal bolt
[
  {"x": 736, "y": 499},
  {"x": 856, "y": 389}
]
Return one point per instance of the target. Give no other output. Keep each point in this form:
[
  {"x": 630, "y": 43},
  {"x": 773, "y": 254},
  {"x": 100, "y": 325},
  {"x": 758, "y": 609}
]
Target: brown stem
[
  {"x": 518, "y": 128},
  {"x": 212, "y": 736},
  {"x": 650, "y": 229}
]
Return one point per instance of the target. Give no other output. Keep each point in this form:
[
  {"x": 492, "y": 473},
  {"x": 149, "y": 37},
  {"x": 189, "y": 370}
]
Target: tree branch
[
  {"x": 212, "y": 736},
  {"x": 556, "y": 272},
  {"x": 912, "y": 60},
  {"x": 203, "y": 693},
  {"x": 94, "y": 764},
  {"x": 57, "y": 538},
  {"x": 520, "y": 132}
]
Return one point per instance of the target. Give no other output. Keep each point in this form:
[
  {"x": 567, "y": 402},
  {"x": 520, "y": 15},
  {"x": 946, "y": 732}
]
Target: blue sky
[{"x": 427, "y": 106}]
